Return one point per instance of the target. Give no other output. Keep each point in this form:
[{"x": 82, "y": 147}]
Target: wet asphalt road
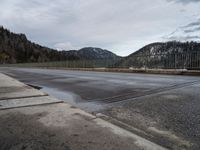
[
  {"x": 97, "y": 86},
  {"x": 166, "y": 108}
]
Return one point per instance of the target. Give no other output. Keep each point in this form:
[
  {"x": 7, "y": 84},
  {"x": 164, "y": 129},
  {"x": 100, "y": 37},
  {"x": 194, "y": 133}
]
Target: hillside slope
[
  {"x": 16, "y": 48},
  {"x": 164, "y": 55}
]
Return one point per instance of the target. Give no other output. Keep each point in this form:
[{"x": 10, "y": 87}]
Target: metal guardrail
[{"x": 189, "y": 61}]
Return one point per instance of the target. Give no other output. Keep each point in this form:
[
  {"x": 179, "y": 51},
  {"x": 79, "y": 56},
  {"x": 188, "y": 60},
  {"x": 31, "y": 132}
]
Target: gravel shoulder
[{"x": 169, "y": 118}]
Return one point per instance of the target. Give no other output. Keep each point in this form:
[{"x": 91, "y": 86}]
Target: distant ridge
[{"x": 16, "y": 48}]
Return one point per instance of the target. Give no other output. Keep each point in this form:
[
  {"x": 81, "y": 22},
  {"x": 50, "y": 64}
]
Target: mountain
[
  {"x": 96, "y": 53},
  {"x": 164, "y": 55},
  {"x": 16, "y": 48}
]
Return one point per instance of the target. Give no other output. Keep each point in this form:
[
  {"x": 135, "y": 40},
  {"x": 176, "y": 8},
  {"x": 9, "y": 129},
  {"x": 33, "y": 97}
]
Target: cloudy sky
[{"x": 122, "y": 26}]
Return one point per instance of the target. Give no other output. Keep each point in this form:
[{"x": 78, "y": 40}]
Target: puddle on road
[{"x": 73, "y": 99}]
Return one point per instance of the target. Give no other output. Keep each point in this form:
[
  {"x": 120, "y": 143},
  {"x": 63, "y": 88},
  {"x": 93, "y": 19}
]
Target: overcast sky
[{"x": 122, "y": 26}]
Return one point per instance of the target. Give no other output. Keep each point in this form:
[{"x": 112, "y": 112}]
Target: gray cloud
[
  {"x": 192, "y": 30},
  {"x": 184, "y": 1},
  {"x": 118, "y": 25},
  {"x": 184, "y": 38},
  {"x": 192, "y": 27},
  {"x": 192, "y": 24},
  {"x": 188, "y": 32}
]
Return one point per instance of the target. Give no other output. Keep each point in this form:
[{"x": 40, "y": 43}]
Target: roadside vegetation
[{"x": 67, "y": 64}]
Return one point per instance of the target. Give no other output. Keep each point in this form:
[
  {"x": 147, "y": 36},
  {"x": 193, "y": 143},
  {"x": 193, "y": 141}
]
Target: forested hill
[
  {"x": 16, "y": 48},
  {"x": 160, "y": 50}
]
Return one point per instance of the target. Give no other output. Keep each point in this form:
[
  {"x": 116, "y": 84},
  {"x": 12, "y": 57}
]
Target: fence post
[
  {"x": 175, "y": 61},
  {"x": 145, "y": 63}
]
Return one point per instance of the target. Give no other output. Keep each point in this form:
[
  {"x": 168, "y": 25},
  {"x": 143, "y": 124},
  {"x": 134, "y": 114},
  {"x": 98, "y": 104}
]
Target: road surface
[
  {"x": 162, "y": 108},
  {"x": 33, "y": 120}
]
